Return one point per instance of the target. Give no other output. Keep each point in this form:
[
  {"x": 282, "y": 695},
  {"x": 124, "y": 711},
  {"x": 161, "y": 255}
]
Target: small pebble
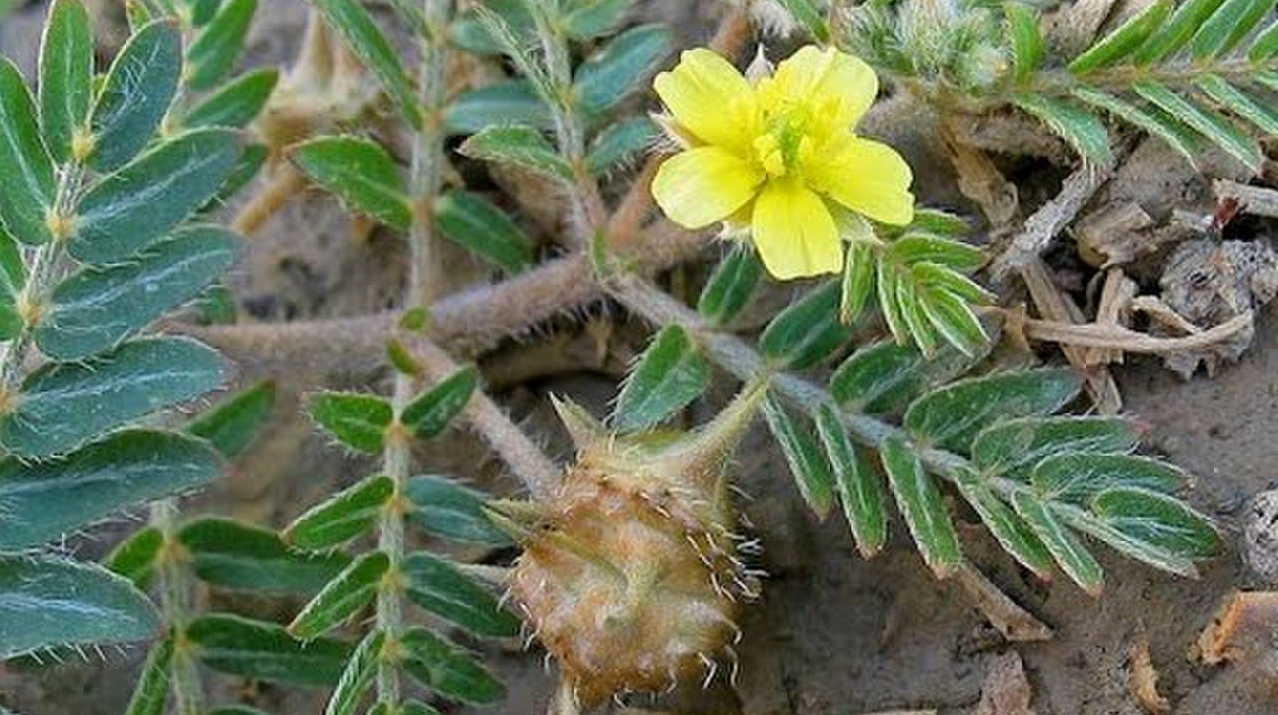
[{"x": 1260, "y": 538}]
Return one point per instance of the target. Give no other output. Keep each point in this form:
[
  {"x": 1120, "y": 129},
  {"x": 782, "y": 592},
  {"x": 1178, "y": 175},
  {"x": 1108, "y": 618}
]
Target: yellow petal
[
  {"x": 866, "y": 176},
  {"x": 710, "y": 99},
  {"x": 836, "y": 83},
  {"x": 700, "y": 186},
  {"x": 794, "y": 231}
]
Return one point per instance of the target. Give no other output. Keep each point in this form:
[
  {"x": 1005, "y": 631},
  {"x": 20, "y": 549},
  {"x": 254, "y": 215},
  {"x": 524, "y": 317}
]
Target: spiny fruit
[{"x": 630, "y": 576}]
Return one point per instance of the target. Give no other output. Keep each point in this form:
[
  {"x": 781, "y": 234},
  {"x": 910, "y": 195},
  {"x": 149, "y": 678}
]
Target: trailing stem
[{"x": 423, "y": 287}]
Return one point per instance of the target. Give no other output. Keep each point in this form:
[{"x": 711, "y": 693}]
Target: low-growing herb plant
[{"x": 632, "y": 565}]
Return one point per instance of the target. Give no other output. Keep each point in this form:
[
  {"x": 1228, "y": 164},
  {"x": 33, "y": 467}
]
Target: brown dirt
[{"x": 832, "y": 633}]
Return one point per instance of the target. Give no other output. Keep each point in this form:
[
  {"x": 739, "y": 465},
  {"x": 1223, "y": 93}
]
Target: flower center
[{"x": 786, "y": 141}]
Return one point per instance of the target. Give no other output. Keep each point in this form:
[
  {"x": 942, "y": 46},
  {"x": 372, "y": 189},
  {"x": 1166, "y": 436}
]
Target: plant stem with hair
[{"x": 425, "y": 278}]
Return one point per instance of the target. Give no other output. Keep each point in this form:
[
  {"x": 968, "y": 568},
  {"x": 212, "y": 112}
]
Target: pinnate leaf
[
  {"x": 63, "y": 405},
  {"x": 344, "y": 516},
  {"x": 47, "y": 602},
  {"x": 920, "y": 502},
  {"x": 671, "y": 373},
  {"x": 41, "y": 501}
]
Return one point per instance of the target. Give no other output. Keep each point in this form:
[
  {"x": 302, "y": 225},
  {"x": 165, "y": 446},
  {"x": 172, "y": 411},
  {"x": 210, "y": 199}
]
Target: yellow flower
[{"x": 779, "y": 155}]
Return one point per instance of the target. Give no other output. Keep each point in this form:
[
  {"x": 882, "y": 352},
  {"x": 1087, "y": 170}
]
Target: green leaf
[
  {"x": 731, "y": 285},
  {"x": 938, "y": 223},
  {"x": 670, "y": 374},
  {"x": 136, "y": 95},
  {"x": 588, "y": 19},
  {"x": 1157, "y": 519},
  {"x": 950, "y": 417},
  {"x": 620, "y": 66},
  {"x": 1211, "y": 125},
  {"x": 1227, "y": 26},
  {"x": 864, "y": 502},
  {"x": 469, "y": 32},
  {"x": 1152, "y": 120},
  {"x": 361, "y": 173},
  {"x": 357, "y": 420},
  {"x": 858, "y": 281},
  {"x": 151, "y": 694},
  {"x": 202, "y": 11},
  {"x": 1078, "y": 477},
  {"x": 134, "y": 558},
  {"x": 265, "y": 651},
  {"x": 61, "y": 406},
  {"x": 13, "y": 279},
  {"x": 1013, "y": 447},
  {"x": 441, "y": 588},
  {"x": 810, "y": 470},
  {"x": 1064, "y": 546},
  {"x": 885, "y": 377},
  {"x": 954, "y": 320},
  {"x": 217, "y": 47},
  {"x": 348, "y": 592},
  {"x": 933, "y": 276},
  {"x": 1028, "y": 47},
  {"x": 520, "y": 146},
  {"x": 808, "y": 331},
  {"x": 358, "y": 676},
  {"x": 498, "y": 104},
  {"x": 1123, "y": 41},
  {"x": 48, "y": 602},
  {"x": 433, "y": 410},
  {"x": 1240, "y": 103},
  {"x": 95, "y": 308},
  {"x": 251, "y": 160},
  {"x": 916, "y": 323},
  {"x": 1083, "y": 130},
  {"x": 132, "y": 208},
  {"x": 233, "y": 424},
  {"x": 921, "y": 504},
  {"x": 916, "y": 247},
  {"x": 449, "y": 510},
  {"x": 26, "y": 171},
  {"x": 1012, "y": 533},
  {"x": 43, "y": 500},
  {"x": 1125, "y": 543},
  {"x": 342, "y": 517},
  {"x": 414, "y": 707},
  {"x": 1265, "y": 46},
  {"x": 1177, "y": 31},
  {"x": 66, "y": 75},
  {"x": 237, "y": 103},
  {"x": 619, "y": 142},
  {"x": 365, "y": 38},
  {"x": 810, "y": 18},
  {"x": 243, "y": 557},
  {"x": 477, "y": 225},
  {"x": 448, "y": 670}
]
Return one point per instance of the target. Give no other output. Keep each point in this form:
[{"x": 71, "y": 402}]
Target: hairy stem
[
  {"x": 176, "y": 587},
  {"x": 521, "y": 455},
  {"x": 43, "y": 271},
  {"x": 425, "y": 278},
  {"x": 588, "y": 207}
]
